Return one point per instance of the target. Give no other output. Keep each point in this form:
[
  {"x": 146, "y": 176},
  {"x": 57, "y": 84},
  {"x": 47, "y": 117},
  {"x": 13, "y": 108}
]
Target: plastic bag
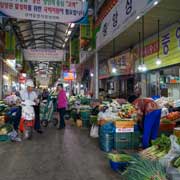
[
  {"x": 14, "y": 136},
  {"x": 173, "y": 153},
  {"x": 94, "y": 131}
]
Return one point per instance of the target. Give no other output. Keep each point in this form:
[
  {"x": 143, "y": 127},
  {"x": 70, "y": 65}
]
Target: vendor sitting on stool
[{"x": 149, "y": 116}]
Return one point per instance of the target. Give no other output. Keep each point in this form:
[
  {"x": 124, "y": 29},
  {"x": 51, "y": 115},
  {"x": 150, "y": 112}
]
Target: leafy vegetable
[
  {"x": 142, "y": 169},
  {"x": 119, "y": 157},
  {"x": 160, "y": 147}
]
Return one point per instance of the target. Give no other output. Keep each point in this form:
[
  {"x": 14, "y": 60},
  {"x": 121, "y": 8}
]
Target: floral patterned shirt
[{"x": 144, "y": 106}]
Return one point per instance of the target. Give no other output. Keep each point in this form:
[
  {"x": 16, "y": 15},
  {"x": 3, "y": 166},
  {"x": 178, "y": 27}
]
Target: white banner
[
  {"x": 43, "y": 55},
  {"x": 120, "y": 18},
  {"x": 65, "y": 11}
]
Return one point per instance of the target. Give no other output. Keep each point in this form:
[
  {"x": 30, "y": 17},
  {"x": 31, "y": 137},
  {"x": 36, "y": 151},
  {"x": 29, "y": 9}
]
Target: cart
[{"x": 47, "y": 109}]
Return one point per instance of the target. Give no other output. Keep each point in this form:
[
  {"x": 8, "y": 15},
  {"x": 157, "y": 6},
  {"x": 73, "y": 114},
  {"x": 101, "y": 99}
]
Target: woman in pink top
[{"x": 62, "y": 105}]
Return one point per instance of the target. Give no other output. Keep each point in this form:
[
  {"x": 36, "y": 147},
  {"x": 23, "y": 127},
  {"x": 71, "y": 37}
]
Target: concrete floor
[{"x": 55, "y": 155}]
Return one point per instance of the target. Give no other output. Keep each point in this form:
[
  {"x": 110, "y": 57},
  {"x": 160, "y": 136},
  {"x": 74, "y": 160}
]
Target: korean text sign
[
  {"x": 45, "y": 10},
  {"x": 169, "y": 51}
]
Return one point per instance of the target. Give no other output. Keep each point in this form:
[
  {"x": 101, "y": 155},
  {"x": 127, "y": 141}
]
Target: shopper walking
[
  {"x": 62, "y": 105},
  {"x": 45, "y": 94},
  {"x": 148, "y": 117},
  {"x": 30, "y": 94}
]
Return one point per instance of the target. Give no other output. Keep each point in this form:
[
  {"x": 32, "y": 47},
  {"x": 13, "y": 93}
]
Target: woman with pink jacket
[{"x": 62, "y": 105}]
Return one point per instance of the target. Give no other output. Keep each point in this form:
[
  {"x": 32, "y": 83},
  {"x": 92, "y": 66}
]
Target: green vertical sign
[
  {"x": 19, "y": 57},
  {"x": 74, "y": 50},
  {"x": 86, "y": 30}
]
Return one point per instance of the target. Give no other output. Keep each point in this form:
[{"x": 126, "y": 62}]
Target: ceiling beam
[
  {"x": 42, "y": 43},
  {"x": 44, "y": 38},
  {"x": 32, "y": 33},
  {"x": 55, "y": 31},
  {"x": 39, "y": 22},
  {"x": 47, "y": 35},
  {"x": 41, "y": 28}
]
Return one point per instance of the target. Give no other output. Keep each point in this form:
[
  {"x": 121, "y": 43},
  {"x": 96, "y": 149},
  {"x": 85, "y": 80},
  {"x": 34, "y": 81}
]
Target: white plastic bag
[
  {"x": 173, "y": 153},
  {"x": 14, "y": 136},
  {"x": 94, "y": 131}
]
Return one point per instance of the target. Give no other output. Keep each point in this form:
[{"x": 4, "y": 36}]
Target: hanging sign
[
  {"x": 86, "y": 30},
  {"x": 123, "y": 64},
  {"x": 103, "y": 71},
  {"x": 74, "y": 50},
  {"x": 65, "y": 11},
  {"x": 69, "y": 76},
  {"x": 43, "y": 55},
  {"x": 123, "y": 14}
]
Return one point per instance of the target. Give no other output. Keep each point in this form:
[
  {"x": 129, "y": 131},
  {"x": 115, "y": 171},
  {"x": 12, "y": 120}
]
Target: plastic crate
[
  {"x": 4, "y": 138},
  {"x": 118, "y": 166},
  {"x": 85, "y": 123},
  {"x": 136, "y": 139},
  {"x": 85, "y": 114},
  {"x": 106, "y": 141},
  {"x": 122, "y": 136},
  {"x": 122, "y": 141},
  {"x": 127, "y": 140}
]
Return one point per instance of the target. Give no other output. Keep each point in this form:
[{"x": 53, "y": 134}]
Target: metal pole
[
  {"x": 1, "y": 78},
  {"x": 96, "y": 76}
]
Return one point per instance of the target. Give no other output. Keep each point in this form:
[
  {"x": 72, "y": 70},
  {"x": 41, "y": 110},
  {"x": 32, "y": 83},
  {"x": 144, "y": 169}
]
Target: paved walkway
[{"x": 55, "y": 155}]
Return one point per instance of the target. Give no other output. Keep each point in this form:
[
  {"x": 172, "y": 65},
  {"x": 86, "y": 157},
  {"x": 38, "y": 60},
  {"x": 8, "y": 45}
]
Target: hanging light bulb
[
  {"x": 144, "y": 68},
  {"x": 158, "y": 61},
  {"x": 114, "y": 70},
  {"x": 140, "y": 67},
  {"x": 91, "y": 74}
]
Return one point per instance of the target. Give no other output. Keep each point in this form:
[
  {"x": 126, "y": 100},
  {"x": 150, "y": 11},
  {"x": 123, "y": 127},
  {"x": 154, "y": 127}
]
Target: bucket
[{"x": 118, "y": 166}]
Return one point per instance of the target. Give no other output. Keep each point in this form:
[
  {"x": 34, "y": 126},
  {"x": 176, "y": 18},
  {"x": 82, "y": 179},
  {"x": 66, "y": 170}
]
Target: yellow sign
[{"x": 169, "y": 49}]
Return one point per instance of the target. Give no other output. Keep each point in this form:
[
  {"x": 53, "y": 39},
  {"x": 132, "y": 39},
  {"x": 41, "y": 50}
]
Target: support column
[
  {"x": 1, "y": 78},
  {"x": 144, "y": 85},
  {"x": 96, "y": 76}
]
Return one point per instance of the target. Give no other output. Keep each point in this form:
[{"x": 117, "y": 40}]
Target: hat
[{"x": 29, "y": 83}]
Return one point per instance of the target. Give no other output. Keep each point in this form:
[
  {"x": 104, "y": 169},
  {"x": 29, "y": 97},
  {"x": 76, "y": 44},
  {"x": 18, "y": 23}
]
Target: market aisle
[{"x": 56, "y": 155}]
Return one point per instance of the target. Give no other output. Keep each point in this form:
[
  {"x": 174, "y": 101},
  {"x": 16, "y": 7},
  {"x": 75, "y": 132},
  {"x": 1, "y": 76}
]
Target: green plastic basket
[
  {"x": 85, "y": 124},
  {"x": 4, "y": 138},
  {"x": 127, "y": 140},
  {"x": 85, "y": 114}
]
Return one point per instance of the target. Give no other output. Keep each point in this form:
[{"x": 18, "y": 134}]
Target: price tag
[{"x": 124, "y": 130}]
